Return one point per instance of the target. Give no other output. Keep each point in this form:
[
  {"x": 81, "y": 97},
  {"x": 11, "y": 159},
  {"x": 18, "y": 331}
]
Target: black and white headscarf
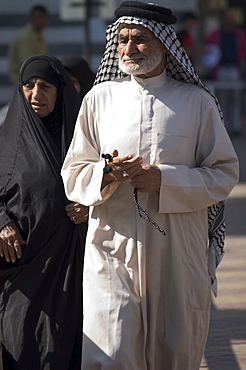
[{"x": 179, "y": 67}]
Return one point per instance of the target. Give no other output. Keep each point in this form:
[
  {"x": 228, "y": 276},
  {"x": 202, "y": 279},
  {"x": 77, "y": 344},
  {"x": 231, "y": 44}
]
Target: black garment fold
[{"x": 40, "y": 294}]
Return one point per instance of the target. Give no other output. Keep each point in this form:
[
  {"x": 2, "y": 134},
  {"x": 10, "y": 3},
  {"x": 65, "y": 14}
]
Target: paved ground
[{"x": 226, "y": 345}]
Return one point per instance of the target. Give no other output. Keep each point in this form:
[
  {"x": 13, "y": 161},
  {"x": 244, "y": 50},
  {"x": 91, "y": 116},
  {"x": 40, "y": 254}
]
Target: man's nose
[{"x": 131, "y": 48}]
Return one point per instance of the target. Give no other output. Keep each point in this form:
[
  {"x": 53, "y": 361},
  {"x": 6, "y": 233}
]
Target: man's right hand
[{"x": 123, "y": 168}]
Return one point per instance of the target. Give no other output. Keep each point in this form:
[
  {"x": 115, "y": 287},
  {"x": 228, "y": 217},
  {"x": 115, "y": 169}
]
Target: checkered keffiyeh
[{"x": 179, "y": 67}]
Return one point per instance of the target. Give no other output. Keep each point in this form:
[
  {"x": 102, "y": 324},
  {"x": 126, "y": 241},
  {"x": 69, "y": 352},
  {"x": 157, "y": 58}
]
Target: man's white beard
[{"x": 144, "y": 66}]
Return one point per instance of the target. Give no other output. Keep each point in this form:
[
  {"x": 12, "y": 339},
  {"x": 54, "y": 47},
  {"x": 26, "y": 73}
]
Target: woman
[
  {"x": 80, "y": 73},
  {"x": 42, "y": 235}
]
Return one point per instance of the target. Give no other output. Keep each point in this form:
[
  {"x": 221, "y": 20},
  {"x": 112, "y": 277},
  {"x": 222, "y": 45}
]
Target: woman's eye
[{"x": 46, "y": 87}]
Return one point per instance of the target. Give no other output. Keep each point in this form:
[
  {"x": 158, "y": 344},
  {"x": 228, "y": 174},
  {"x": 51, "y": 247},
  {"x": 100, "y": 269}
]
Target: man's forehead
[{"x": 137, "y": 28}]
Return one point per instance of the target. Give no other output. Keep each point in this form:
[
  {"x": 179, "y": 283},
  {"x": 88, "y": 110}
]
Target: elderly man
[{"x": 149, "y": 141}]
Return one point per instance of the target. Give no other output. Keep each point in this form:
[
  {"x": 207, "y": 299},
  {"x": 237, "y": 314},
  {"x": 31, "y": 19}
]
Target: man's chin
[{"x": 131, "y": 70}]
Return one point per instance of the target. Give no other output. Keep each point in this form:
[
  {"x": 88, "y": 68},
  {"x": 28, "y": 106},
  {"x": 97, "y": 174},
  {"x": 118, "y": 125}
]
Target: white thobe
[{"x": 147, "y": 296}]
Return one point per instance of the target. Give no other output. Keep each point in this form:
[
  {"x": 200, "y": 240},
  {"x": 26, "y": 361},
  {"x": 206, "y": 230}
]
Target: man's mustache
[{"x": 133, "y": 57}]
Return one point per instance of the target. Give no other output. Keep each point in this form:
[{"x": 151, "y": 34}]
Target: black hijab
[
  {"x": 40, "y": 294},
  {"x": 43, "y": 69},
  {"x": 78, "y": 67}
]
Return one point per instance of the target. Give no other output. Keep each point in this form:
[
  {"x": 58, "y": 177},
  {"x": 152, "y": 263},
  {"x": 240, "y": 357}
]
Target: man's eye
[{"x": 141, "y": 41}]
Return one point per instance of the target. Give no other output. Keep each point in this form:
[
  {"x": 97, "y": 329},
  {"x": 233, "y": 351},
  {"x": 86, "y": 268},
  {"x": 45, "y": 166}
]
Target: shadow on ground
[{"x": 226, "y": 326}]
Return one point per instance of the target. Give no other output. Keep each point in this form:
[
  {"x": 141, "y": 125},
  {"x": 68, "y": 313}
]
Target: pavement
[{"x": 226, "y": 344}]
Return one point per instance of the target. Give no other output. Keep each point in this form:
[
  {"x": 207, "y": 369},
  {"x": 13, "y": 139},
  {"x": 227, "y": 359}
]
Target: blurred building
[
  {"x": 78, "y": 26},
  {"x": 75, "y": 27},
  {"x": 63, "y": 36}
]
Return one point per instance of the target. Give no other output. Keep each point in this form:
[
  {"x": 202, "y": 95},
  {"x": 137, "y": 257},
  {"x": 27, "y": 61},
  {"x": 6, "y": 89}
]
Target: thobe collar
[{"x": 151, "y": 82}]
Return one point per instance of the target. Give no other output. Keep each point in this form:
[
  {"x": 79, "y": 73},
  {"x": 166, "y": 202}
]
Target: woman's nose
[{"x": 36, "y": 91}]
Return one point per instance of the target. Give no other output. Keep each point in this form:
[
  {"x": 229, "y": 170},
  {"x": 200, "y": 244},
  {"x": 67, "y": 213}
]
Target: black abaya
[{"x": 40, "y": 296}]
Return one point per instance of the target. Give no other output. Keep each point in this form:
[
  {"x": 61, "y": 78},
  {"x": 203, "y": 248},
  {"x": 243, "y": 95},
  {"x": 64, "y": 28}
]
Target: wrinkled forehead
[
  {"x": 151, "y": 28},
  {"x": 135, "y": 30},
  {"x": 38, "y": 80},
  {"x": 132, "y": 26}
]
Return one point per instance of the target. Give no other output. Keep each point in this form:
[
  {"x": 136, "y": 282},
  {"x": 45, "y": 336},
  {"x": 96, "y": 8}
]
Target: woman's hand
[
  {"x": 10, "y": 242},
  {"x": 77, "y": 212}
]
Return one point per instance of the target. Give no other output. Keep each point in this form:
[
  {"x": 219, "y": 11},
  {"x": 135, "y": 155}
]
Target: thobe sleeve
[
  {"x": 213, "y": 176},
  {"x": 82, "y": 171}
]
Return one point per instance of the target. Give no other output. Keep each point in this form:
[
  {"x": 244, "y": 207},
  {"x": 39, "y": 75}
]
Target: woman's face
[
  {"x": 76, "y": 83},
  {"x": 41, "y": 95}
]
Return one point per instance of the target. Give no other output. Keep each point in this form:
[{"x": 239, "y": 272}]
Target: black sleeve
[{"x": 4, "y": 216}]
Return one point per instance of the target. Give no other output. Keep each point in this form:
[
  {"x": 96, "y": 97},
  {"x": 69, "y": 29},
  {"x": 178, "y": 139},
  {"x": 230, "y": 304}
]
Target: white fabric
[{"x": 147, "y": 296}]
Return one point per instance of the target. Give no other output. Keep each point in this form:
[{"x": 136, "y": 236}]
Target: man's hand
[
  {"x": 10, "y": 242},
  {"x": 148, "y": 180},
  {"x": 122, "y": 168},
  {"x": 77, "y": 212}
]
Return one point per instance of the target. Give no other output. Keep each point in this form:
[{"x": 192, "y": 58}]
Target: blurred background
[{"x": 78, "y": 27}]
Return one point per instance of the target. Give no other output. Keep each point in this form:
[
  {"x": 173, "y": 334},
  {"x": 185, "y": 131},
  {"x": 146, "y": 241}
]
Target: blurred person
[
  {"x": 28, "y": 41},
  {"x": 149, "y": 141},
  {"x": 184, "y": 34},
  {"x": 231, "y": 41},
  {"x": 42, "y": 234},
  {"x": 80, "y": 73}
]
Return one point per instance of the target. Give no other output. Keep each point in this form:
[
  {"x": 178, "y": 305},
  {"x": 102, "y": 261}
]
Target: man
[
  {"x": 29, "y": 41},
  {"x": 146, "y": 282}
]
